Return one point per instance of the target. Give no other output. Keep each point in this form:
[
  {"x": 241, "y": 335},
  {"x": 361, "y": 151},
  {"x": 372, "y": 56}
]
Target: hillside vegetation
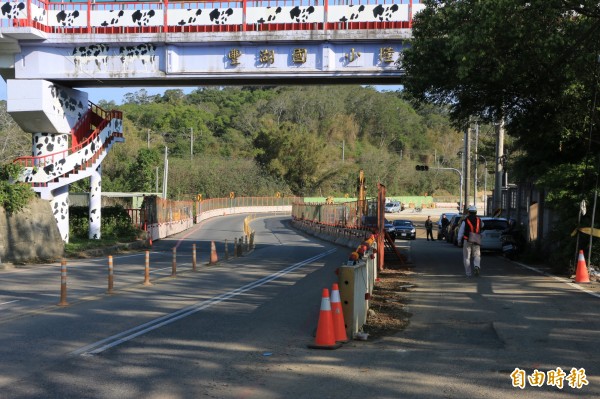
[{"x": 256, "y": 141}]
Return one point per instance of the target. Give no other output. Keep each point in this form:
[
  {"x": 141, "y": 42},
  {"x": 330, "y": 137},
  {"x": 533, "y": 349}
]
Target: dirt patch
[{"x": 389, "y": 312}]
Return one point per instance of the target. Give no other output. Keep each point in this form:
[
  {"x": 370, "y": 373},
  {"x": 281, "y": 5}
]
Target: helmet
[{"x": 472, "y": 209}]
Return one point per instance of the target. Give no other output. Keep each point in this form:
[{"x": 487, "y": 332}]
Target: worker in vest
[{"x": 470, "y": 234}]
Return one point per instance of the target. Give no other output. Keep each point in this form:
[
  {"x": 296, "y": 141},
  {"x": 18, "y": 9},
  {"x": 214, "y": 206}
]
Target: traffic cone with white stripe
[
  {"x": 339, "y": 326},
  {"x": 325, "y": 338},
  {"x": 581, "y": 275}
]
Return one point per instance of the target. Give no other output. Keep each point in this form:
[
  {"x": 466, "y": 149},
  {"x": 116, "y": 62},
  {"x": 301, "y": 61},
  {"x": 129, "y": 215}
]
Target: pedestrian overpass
[{"x": 49, "y": 48}]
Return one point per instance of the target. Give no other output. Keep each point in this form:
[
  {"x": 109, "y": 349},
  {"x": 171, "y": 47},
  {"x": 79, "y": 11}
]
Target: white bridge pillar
[{"x": 95, "y": 208}]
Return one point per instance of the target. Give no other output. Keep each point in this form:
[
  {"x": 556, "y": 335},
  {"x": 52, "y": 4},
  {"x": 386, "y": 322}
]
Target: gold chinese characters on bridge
[
  {"x": 300, "y": 56},
  {"x": 234, "y": 56},
  {"x": 267, "y": 56},
  {"x": 386, "y": 54}
]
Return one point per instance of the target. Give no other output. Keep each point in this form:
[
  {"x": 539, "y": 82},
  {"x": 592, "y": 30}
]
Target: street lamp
[{"x": 460, "y": 175}]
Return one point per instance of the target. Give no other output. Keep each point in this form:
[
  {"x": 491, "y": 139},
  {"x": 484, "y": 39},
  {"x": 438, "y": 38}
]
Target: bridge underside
[{"x": 187, "y": 59}]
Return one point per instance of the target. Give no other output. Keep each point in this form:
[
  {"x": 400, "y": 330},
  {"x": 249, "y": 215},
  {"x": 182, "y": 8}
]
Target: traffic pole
[
  {"x": 110, "y": 274},
  {"x": 147, "y": 270},
  {"x": 63, "y": 283},
  {"x": 174, "y": 263},
  {"x": 194, "y": 257}
]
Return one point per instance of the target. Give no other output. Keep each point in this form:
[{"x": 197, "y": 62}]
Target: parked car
[
  {"x": 393, "y": 207},
  {"x": 371, "y": 222},
  {"x": 442, "y": 234},
  {"x": 490, "y": 233},
  {"x": 405, "y": 229},
  {"x": 389, "y": 227},
  {"x": 453, "y": 228}
]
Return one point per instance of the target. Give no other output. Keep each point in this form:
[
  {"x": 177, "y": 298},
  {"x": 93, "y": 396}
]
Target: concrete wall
[{"x": 30, "y": 235}]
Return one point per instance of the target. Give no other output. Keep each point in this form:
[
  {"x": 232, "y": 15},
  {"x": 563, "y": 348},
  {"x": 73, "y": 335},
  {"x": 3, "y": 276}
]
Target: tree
[
  {"x": 535, "y": 64},
  {"x": 142, "y": 172}
]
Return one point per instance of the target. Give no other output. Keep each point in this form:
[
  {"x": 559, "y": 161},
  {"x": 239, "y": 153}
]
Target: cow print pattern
[
  {"x": 385, "y": 13},
  {"x": 354, "y": 13},
  {"x": 66, "y": 105},
  {"x": 115, "y": 15},
  {"x": 182, "y": 17},
  {"x": 60, "y": 211},
  {"x": 271, "y": 15},
  {"x": 95, "y": 207},
  {"x": 66, "y": 18},
  {"x": 46, "y": 143},
  {"x": 220, "y": 17},
  {"x": 145, "y": 52},
  {"x": 301, "y": 15},
  {"x": 43, "y": 142},
  {"x": 12, "y": 10},
  {"x": 95, "y": 53},
  {"x": 191, "y": 18},
  {"x": 142, "y": 18}
]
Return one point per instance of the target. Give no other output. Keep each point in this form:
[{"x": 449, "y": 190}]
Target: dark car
[
  {"x": 405, "y": 229},
  {"x": 444, "y": 234},
  {"x": 389, "y": 227},
  {"x": 371, "y": 222},
  {"x": 453, "y": 228}
]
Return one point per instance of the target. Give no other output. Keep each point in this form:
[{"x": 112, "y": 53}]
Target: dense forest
[{"x": 256, "y": 141}]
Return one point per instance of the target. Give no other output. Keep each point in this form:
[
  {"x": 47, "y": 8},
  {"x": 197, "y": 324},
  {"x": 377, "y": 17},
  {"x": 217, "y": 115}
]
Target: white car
[
  {"x": 393, "y": 207},
  {"x": 491, "y": 232}
]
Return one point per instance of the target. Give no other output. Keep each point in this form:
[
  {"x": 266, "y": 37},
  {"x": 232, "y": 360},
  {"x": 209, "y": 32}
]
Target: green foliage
[
  {"x": 14, "y": 196},
  {"x": 262, "y": 140},
  {"x": 115, "y": 223}
]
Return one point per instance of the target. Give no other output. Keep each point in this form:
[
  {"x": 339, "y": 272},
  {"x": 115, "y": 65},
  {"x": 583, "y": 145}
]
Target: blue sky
[{"x": 116, "y": 94}]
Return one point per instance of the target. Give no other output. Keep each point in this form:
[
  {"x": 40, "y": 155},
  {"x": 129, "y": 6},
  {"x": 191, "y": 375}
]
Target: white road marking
[
  {"x": 117, "y": 339},
  {"x": 562, "y": 280},
  {"x": 6, "y": 303}
]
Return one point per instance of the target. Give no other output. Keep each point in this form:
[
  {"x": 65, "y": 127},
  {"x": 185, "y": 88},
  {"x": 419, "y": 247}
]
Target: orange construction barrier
[
  {"x": 213, "y": 253},
  {"x": 581, "y": 275},
  {"x": 339, "y": 326},
  {"x": 325, "y": 338}
]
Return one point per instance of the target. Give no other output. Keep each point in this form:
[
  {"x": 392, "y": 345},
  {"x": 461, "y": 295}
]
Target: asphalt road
[{"x": 240, "y": 329}]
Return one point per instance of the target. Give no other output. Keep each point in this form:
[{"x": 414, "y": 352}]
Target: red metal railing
[
  {"x": 88, "y": 8},
  {"x": 89, "y": 121}
]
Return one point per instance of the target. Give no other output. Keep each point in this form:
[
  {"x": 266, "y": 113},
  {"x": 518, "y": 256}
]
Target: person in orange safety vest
[{"x": 471, "y": 248}]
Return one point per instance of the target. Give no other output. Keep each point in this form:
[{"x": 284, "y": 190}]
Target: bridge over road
[{"x": 88, "y": 44}]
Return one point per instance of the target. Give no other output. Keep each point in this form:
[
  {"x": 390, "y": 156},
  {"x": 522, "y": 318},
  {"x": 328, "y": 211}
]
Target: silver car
[
  {"x": 393, "y": 207},
  {"x": 490, "y": 233}
]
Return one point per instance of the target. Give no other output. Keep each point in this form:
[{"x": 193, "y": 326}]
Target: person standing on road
[
  {"x": 429, "y": 228},
  {"x": 469, "y": 233},
  {"x": 445, "y": 223}
]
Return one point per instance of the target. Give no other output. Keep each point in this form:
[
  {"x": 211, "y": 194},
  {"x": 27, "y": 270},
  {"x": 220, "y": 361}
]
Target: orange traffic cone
[
  {"x": 213, "y": 253},
  {"x": 325, "y": 338},
  {"x": 581, "y": 275},
  {"x": 339, "y": 327}
]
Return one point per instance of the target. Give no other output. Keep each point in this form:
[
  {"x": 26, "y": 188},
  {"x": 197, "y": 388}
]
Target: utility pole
[
  {"x": 156, "y": 180},
  {"x": 467, "y": 167},
  {"x": 191, "y": 143},
  {"x": 497, "y": 197},
  {"x": 343, "y": 150},
  {"x": 165, "y": 176},
  {"x": 475, "y": 165}
]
